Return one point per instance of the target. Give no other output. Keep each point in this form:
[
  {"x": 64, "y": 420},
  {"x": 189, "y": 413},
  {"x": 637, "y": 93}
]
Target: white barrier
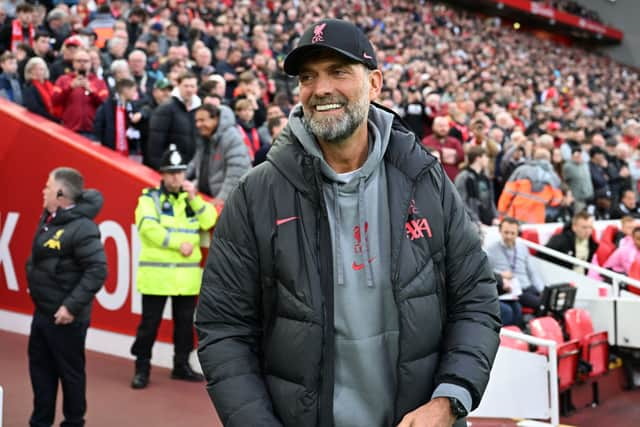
[{"x": 513, "y": 392}]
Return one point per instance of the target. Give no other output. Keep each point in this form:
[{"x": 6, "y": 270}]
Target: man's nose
[{"x": 323, "y": 86}]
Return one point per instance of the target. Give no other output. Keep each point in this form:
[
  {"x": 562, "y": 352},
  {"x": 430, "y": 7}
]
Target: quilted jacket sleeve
[
  {"x": 228, "y": 321},
  {"x": 471, "y": 335}
]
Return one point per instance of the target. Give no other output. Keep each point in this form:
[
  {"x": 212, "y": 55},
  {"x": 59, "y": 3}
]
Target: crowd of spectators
[{"x": 131, "y": 75}]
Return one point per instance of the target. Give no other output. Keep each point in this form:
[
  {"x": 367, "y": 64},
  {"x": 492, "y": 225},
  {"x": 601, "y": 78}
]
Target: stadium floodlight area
[{"x": 530, "y": 393}]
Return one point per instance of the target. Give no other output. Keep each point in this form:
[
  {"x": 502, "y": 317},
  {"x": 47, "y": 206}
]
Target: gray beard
[{"x": 335, "y": 130}]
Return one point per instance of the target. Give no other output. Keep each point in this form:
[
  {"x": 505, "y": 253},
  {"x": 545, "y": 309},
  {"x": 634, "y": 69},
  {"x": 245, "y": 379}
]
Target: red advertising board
[
  {"x": 30, "y": 147},
  {"x": 540, "y": 9}
]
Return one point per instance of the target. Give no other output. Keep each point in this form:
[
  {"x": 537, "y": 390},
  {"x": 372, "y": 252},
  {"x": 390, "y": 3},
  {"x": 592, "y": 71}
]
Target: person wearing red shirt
[
  {"x": 79, "y": 94},
  {"x": 450, "y": 149}
]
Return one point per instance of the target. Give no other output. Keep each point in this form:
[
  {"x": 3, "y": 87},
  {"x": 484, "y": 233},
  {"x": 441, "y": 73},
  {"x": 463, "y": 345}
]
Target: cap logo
[
  {"x": 364, "y": 54},
  {"x": 318, "y": 33}
]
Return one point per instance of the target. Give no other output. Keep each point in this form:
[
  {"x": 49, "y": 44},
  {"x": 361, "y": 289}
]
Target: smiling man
[{"x": 345, "y": 285}]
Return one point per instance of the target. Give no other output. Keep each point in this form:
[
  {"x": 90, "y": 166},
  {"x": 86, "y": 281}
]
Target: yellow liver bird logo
[{"x": 54, "y": 242}]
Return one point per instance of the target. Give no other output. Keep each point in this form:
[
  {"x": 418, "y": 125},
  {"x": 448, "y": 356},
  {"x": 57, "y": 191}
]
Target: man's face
[
  {"x": 277, "y": 129},
  {"x": 627, "y": 227},
  {"x": 137, "y": 64},
  {"x": 25, "y": 17},
  {"x": 478, "y": 130},
  {"x": 203, "y": 57},
  {"x": 82, "y": 61},
  {"x": 161, "y": 95},
  {"x": 173, "y": 180},
  {"x": 576, "y": 156},
  {"x": 205, "y": 124},
  {"x": 129, "y": 94},
  {"x": 245, "y": 114},
  {"x": 9, "y": 66},
  {"x": 335, "y": 96},
  {"x": 49, "y": 195},
  {"x": 509, "y": 233},
  {"x": 42, "y": 45},
  {"x": 583, "y": 228},
  {"x": 629, "y": 199},
  {"x": 441, "y": 127},
  {"x": 187, "y": 89}
]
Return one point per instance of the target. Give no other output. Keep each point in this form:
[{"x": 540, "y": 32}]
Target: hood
[
  {"x": 539, "y": 172},
  {"x": 353, "y": 185},
  {"x": 197, "y": 102},
  {"x": 379, "y": 126},
  {"x": 88, "y": 205},
  {"x": 226, "y": 121}
]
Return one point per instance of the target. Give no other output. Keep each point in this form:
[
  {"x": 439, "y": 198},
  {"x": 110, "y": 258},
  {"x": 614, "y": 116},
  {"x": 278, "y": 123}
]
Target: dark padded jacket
[
  {"x": 265, "y": 314},
  {"x": 67, "y": 264},
  {"x": 171, "y": 123}
]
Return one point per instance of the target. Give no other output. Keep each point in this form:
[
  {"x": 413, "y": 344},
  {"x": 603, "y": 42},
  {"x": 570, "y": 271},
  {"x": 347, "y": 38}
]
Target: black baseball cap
[{"x": 337, "y": 35}]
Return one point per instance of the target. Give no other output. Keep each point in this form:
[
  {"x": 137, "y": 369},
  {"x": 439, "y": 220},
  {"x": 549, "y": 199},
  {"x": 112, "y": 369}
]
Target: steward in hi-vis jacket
[{"x": 169, "y": 220}]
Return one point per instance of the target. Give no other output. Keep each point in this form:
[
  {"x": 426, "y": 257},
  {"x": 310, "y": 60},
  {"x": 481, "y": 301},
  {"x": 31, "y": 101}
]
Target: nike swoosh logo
[
  {"x": 285, "y": 220},
  {"x": 357, "y": 267}
]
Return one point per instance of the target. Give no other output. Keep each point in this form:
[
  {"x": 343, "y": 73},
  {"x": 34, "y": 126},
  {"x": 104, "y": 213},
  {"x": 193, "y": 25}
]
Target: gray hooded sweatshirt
[
  {"x": 228, "y": 158},
  {"x": 365, "y": 314}
]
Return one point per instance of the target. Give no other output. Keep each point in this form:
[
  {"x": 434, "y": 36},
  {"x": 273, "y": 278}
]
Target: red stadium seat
[
  {"x": 568, "y": 357},
  {"x": 608, "y": 234},
  {"x": 531, "y": 234},
  {"x": 595, "y": 345},
  {"x": 513, "y": 342},
  {"x": 604, "y": 251},
  {"x": 547, "y": 328}
]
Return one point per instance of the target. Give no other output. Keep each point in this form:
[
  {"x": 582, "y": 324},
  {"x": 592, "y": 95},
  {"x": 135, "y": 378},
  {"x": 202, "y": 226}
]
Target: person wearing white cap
[{"x": 169, "y": 218}]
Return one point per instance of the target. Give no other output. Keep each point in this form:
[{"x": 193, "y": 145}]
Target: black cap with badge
[
  {"x": 172, "y": 160},
  {"x": 340, "y": 36}
]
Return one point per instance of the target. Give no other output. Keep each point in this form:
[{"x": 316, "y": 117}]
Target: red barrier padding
[{"x": 30, "y": 147}]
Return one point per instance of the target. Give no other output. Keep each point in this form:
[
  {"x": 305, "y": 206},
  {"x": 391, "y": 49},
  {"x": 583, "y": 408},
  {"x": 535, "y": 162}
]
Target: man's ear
[{"x": 375, "y": 84}]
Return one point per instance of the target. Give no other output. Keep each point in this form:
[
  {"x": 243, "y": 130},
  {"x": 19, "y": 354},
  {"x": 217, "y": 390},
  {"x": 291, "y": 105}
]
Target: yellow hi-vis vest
[{"x": 164, "y": 222}]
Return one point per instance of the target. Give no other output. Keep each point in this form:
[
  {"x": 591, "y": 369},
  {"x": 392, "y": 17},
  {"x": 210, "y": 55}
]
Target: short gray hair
[
  {"x": 117, "y": 65},
  {"x": 71, "y": 181},
  {"x": 32, "y": 63}
]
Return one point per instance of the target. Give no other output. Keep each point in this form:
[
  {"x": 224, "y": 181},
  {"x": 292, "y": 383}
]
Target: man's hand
[
  {"x": 218, "y": 203},
  {"x": 436, "y": 413},
  {"x": 190, "y": 189},
  {"x": 62, "y": 316},
  {"x": 79, "y": 81},
  {"x": 135, "y": 117},
  {"x": 186, "y": 249}
]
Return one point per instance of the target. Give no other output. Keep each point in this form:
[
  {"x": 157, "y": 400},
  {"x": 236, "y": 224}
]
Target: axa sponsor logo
[{"x": 416, "y": 227}]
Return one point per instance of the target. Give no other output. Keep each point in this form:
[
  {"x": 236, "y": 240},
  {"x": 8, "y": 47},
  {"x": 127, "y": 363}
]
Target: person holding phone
[{"x": 78, "y": 94}]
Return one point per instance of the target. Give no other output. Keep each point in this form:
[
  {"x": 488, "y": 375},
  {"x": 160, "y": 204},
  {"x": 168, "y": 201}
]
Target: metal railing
[
  {"x": 618, "y": 281},
  {"x": 552, "y": 369}
]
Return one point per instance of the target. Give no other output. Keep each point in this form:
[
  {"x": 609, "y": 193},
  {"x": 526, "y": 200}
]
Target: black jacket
[
  {"x": 565, "y": 242},
  {"x": 67, "y": 264},
  {"x": 33, "y": 102},
  {"x": 265, "y": 315},
  {"x": 104, "y": 125},
  {"x": 171, "y": 123}
]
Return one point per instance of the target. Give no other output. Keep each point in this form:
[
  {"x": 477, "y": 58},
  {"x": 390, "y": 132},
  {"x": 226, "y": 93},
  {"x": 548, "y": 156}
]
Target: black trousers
[
  {"x": 152, "y": 307},
  {"x": 56, "y": 354}
]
